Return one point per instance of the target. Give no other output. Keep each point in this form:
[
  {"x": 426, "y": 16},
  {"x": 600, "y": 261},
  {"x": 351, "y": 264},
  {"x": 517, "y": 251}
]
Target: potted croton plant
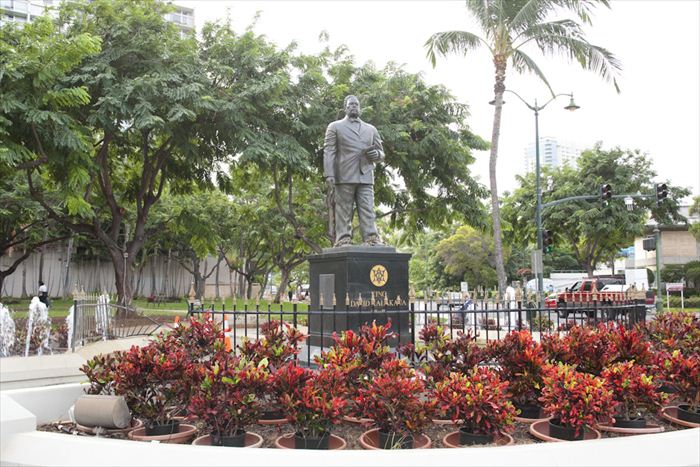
[
  {"x": 278, "y": 345},
  {"x": 683, "y": 372},
  {"x": 575, "y": 401},
  {"x": 226, "y": 400},
  {"x": 394, "y": 398},
  {"x": 520, "y": 361},
  {"x": 479, "y": 403},
  {"x": 150, "y": 381},
  {"x": 635, "y": 391},
  {"x": 313, "y": 402}
]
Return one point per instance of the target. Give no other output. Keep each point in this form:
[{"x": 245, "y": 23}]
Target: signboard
[
  {"x": 536, "y": 257},
  {"x": 674, "y": 287},
  {"x": 464, "y": 287}
]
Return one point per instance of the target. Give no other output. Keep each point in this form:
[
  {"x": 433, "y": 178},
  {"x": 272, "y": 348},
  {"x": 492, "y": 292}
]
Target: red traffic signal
[{"x": 661, "y": 193}]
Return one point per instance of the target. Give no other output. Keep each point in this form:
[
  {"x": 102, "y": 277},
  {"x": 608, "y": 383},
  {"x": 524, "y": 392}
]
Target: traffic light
[
  {"x": 547, "y": 241},
  {"x": 605, "y": 193},
  {"x": 661, "y": 193}
]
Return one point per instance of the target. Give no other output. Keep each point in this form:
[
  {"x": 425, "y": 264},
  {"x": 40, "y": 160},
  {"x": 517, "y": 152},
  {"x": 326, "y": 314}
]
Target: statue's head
[{"x": 352, "y": 106}]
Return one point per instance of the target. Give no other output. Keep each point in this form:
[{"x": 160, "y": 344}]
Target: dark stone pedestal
[{"x": 373, "y": 279}]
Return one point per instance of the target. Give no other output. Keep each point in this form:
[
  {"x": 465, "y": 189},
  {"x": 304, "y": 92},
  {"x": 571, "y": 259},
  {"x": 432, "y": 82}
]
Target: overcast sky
[{"x": 657, "y": 41}]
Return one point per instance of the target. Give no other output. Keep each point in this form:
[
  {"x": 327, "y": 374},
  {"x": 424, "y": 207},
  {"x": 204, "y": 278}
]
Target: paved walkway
[{"x": 44, "y": 370}]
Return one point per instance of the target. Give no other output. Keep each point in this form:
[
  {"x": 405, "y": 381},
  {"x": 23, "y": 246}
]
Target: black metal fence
[
  {"x": 101, "y": 321},
  {"x": 485, "y": 320}
]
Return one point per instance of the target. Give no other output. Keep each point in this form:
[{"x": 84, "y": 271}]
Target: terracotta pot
[
  {"x": 541, "y": 430},
  {"x": 359, "y": 421},
  {"x": 287, "y": 442},
  {"x": 252, "y": 440},
  {"x": 671, "y": 414},
  {"x": 184, "y": 434},
  {"x": 276, "y": 417},
  {"x": 451, "y": 440},
  {"x": 646, "y": 429},
  {"x": 135, "y": 423},
  {"x": 370, "y": 440}
]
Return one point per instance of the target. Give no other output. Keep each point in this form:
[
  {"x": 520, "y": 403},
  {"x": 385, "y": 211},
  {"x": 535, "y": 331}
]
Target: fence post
[{"x": 75, "y": 320}]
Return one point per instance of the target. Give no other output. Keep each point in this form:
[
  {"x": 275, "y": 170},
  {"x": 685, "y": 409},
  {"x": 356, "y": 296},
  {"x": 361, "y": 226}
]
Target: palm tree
[{"x": 508, "y": 26}]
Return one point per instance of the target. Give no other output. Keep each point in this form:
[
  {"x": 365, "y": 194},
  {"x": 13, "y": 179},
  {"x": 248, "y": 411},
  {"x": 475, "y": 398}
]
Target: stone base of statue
[{"x": 352, "y": 285}]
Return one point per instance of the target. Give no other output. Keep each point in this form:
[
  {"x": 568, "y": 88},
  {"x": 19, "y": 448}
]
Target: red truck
[{"x": 582, "y": 292}]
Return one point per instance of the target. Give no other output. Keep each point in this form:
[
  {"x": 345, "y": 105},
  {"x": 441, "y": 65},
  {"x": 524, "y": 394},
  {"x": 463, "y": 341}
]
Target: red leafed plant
[
  {"x": 438, "y": 355},
  {"x": 200, "y": 337},
  {"x": 630, "y": 345},
  {"x": 279, "y": 344},
  {"x": 100, "y": 372},
  {"x": 683, "y": 372},
  {"x": 554, "y": 347},
  {"x": 590, "y": 349},
  {"x": 313, "y": 401},
  {"x": 394, "y": 399},
  {"x": 520, "y": 361},
  {"x": 675, "y": 330},
  {"x": 575, "y": 399},
  {"x": 478, "y": 401},
  {"x": 635, "y": 391},
  {"x": 150, "y": 381},
  {"x": 226, "y": 398}
]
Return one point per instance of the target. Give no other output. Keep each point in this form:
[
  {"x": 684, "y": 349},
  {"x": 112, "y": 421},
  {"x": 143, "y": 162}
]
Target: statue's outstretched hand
[{"x": 330, "y": 183}]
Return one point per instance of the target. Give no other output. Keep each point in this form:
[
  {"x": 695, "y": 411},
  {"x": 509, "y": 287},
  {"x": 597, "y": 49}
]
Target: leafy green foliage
[{"x": 594, "y": 232}]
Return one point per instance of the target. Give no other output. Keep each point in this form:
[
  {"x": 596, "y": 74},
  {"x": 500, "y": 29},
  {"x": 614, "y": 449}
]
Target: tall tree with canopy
[
  {"x": 594, "y": 231},
  {"x": 509, "y": 27}
]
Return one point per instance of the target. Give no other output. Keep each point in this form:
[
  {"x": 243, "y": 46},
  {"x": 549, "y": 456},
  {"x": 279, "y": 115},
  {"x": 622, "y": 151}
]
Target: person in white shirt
[{"x": 43, "y": 293}]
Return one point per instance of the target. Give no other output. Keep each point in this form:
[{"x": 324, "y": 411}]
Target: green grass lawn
[{"x": 59, "y": 308}]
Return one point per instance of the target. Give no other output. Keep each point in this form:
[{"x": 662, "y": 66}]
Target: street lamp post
[
  {"x": 538, "y": 187},
  {"x": 657, "y": 237}
]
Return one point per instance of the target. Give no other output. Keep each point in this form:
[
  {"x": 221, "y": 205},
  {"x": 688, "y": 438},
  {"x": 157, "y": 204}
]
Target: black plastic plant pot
[
  {"x": 687, "y": 415},
  {"x": 566, "y": 433},
  {"x": 236, "y": 440},
  {"x": 272, "y": 415},
  {"x": 302, "y": 441},
  {"x": 640, "y": 422},
  {"x": 165, "y": 429},
  {"x": 530, "y": 411},
  {"x": 467, "y": 438},
  {"x": 394, "y": 440}
]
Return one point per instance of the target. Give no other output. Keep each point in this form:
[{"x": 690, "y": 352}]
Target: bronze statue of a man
[{"x": 351, "y": 149}]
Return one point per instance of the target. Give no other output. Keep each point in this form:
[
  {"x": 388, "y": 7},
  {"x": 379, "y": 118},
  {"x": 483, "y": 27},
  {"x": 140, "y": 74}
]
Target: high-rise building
[
  {"x": 553, "y": 154},
  {"x": 24, "y": 11}
]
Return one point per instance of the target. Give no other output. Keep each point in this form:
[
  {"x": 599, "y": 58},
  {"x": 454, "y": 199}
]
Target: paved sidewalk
[{"x": 45, "y": 370}]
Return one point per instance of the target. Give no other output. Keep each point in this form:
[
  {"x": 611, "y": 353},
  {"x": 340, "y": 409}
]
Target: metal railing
[
  {"x": 101, "y": 321},
  {"x": 485, "y": 320}
]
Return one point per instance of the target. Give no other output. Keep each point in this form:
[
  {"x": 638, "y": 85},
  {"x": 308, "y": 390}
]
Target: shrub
[
  {"x": 394, "y": 399},
  {"x": 151, "y": 381},
  {"x": 520, "y": 361},
  {"x": 478, "y": 401},
  {"x": 100, "y": 371},
  {"x": 575, "y": 399},
  {"x": 629, "y": 345},
  {"x": 683, "y": 372},
  {"x": 279, "y": 344},
  {"x": 313, "y": 401},
  {"x": 635, "y": 392},
  {"x": 226, "y": 399},
  {"x": 590, "y": 350},
  {"x": 674, "y": 330}
]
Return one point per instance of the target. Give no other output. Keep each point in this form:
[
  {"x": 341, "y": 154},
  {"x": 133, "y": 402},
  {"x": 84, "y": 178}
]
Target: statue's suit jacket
[{"x": 342, "y": 155}]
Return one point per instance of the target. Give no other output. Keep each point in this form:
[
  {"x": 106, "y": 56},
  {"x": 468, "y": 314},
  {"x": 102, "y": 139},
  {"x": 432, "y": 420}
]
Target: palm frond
[
  {"x": 460, "y": 42},
  {"x": 531, "y": 12},
  {"x": 589, "y": 56},
  {"x": 563, "y": 27},
  {"x": 581, "y": 8},
  {"x": 522, "y": 62}
]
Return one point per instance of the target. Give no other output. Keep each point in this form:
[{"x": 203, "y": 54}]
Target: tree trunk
[
  {"x": 123, "y": 273},
  {"x": 24, "y": 279},
  {"x": 230, "y": 285},
  {"x": 98, "y": 277},
  {"x": 66, "y": 280},
  {"x": 499, "y": 88},
  {"x": 154, "y": 289},
  {"x": 42, "y": 251},
  {"x": 166, "y": 275},
  {"x": 283, "y": 285},
  {"x": 217, "y": 295}
]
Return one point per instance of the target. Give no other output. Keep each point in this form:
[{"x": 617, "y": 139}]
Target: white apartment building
[
  {"x": 553, "y": 153},
  {"x": 23, "y": 11}
]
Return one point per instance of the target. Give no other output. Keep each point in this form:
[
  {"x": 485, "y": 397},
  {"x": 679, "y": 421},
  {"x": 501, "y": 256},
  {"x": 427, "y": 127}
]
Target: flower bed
[{"x": 580, "y": 379}]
